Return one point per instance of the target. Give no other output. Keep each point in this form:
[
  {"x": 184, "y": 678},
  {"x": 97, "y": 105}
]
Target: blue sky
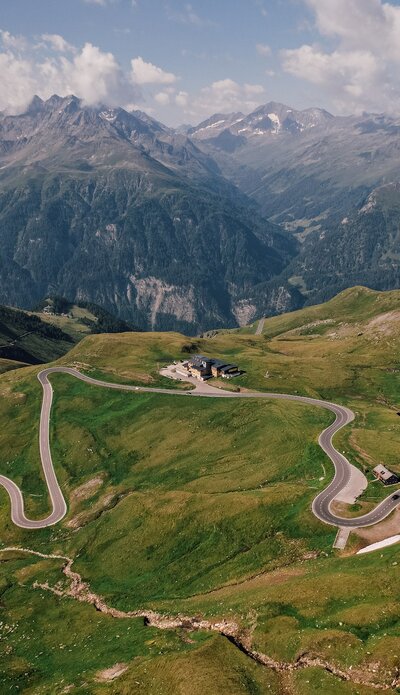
[{"x": 192, "y": 59}]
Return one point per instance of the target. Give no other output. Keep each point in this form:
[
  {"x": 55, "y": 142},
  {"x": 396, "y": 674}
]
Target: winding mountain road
[{"x": 321, "y": 504}]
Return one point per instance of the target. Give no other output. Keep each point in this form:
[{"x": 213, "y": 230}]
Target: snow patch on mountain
[
  {"x": 276, "y": 121},
  {"x": 212, "y": 125},
  {"x": 108, "y": 115}
]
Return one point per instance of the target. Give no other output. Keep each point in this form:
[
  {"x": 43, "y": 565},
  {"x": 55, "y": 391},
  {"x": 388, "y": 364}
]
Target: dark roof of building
[
  {"x": 199, "y": 360},
  {"x": 228, "y": 367},
  {"x": 384, "y": 472}
]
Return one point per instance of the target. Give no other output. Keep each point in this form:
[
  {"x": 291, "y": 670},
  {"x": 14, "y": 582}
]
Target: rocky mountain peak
[
  {"x": 215, "y": 125},
  {"x": 35, "y": 105},
  {"x": 268, "y": 119},
  {"x": 101, "y": 135}
]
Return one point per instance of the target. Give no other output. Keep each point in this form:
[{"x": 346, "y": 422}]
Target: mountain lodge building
[
  {"x": 204, "y": 368},
  {"x": 387, "y": 477}
]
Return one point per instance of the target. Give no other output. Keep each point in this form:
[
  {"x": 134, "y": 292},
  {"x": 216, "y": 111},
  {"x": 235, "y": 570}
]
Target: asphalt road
[
  {"x": 321, "y": 504},
  {"x": 57, "y": 499}
]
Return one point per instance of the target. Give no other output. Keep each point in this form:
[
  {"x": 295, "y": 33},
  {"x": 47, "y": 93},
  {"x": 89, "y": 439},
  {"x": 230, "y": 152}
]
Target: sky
[{"x": 183, "y": 61}]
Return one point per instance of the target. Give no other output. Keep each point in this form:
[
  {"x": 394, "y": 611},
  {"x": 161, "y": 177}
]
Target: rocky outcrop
[{"x": 80, "y": 591}]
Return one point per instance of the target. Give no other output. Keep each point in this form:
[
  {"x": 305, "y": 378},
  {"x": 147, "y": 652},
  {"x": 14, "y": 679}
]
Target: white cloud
[
  {"x": 18, "y": 83},
  {"x": 253, "y": 90},
  {"x": 139, "y": 107},
  {"x": 341, "y": 69},
  {"x": 188, "y": 16},
  {"x": 91, "y": 74},
  {"x": 226, "y": 95},
  {"x": 182, "y": 99},
  {"x": 191, "y": 17},
  {"x": 11, "y": 42},
  {"x": 162, "y": 98},
  {"x": 261, "y": 7},
  {"x": 54, "y": 66},
  {"x": 58, "y": 43},
  {"x": 263, "y": 49},
  {"x": 94, "y": 75},
  {"x": 361, "y": 71},
  {"x": 147, "y": 73}
]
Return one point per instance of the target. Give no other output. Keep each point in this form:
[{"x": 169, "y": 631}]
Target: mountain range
[
  {"x": 330, "y": 181},
  {"x": 198, "y": 227}
]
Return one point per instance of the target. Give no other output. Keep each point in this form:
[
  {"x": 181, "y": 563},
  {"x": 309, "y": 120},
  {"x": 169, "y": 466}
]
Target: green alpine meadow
[{"x": 189, "y": 528}]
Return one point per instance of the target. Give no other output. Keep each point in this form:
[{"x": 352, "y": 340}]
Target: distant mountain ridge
[
  {"x": 361, "y": 248},
  {"x": 299, "y": 165},
  {"x": 308, "y": 171},
  {"x": 272, "y": 118},
  {"x": 121, "y": 137},
  {"x": 106, "y": 206},
  {"x": 200, "y": 227}
]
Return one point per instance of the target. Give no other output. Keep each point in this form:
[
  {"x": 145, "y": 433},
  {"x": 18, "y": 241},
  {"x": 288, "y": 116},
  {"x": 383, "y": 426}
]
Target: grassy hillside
[
  {"x": 350, "y": 306},
  {"x": 202, "y": 508},
  {"x": 45, "y": 335},
  {"x": 25, "y": 338},
  {"x": 80, "y": 319}
]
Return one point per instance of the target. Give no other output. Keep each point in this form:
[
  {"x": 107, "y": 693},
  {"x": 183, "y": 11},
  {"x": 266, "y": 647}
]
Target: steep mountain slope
[
  {"x": 306, "y": 166},
  {"x": 78, "y": 320},
  {"x": 353, "y": 309},
  {"x": 216, "y": 124},
  {"x": 112, "y": 207},
  {"x": 362, "y": 248},
  {"x": 25, "y": 338},
  {"x": 45, "y": 335},
  {"x": 332, "y": 182}
]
